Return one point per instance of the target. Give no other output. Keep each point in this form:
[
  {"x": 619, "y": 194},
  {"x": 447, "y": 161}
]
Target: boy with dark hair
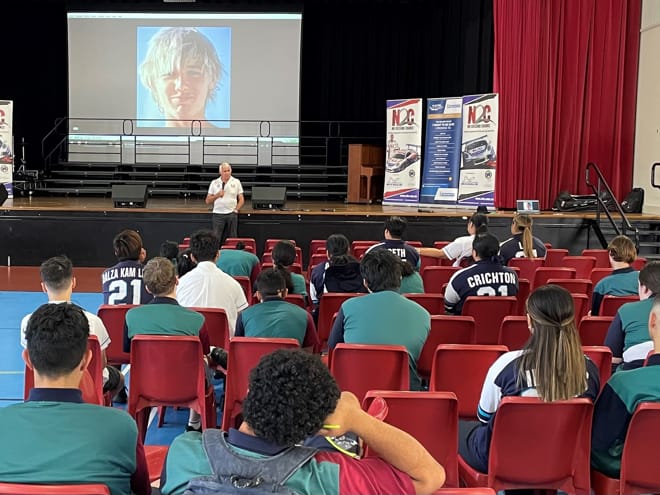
[
  {"x": 280, "y": 412},
  {"x": 487, "y": 277},
  {"x": 273, "y": 316},
  {"x": 395, "y": 227},
  {"x": 239, "y": 262},
  {"x": 122, "y": 283},
  {"x": 384, "y": 316},
  {"x": 54, "y": 437}
]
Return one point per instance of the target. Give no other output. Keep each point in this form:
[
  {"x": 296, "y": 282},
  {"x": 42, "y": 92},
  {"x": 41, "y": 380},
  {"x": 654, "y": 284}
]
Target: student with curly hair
[{"x": 282, "y": 410}]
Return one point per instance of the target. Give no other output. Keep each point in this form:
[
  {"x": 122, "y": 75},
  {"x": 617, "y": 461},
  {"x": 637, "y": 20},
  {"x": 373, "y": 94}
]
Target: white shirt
[
  {"x": 227, "y": 203},
  {"x": 459, "y": 248},
  {"x": 207, "y": 286}
]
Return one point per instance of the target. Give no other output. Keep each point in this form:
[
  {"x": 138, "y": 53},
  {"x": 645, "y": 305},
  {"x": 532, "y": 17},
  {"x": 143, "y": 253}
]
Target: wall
[{"x": 647, "y": 133}]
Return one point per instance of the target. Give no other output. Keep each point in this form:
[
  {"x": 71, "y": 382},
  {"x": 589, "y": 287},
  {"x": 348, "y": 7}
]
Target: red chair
[
  {"x": 440, "y": 244},
  {"x": 573, "y": 285},
  {"x": 426, "y": 261},
  {"x": 609, "y": 305},
  {"x": 581, "y": 304},
  {"x": 316, "y": 259},
  {"x": 488, "y": 313},
  {"x": 267, "y": 257},
  {"x": 639, "y": 263},
  {"x": 602, "y": 358},
  {"x": 582, "y": 264},
  {"x": 249, "y": 242},
  {"x": 294, "y": 268},
  {"x": 597, "y": 274},
  {"x": 329, "y": 304},
  {"x": 60, "y": 489},
  {"x": 602, "y": 257},
  {"x": 354, "y": 367},
  {"x": 217, "y": 326},
  {"x": 545, "y": 273},
  {"x": 359, "y": 251},
  {"x": 462, "y": 368},
  {"x": 554, "y": 256},
  {"x": 248, "y": 249},
  {"x": 415, "y": 244},
  {"x": 270, "y": 244},
  {"x": 315, "y": 246},
  {"x": 464, "y": 491},
  {"x": 527, "y": 266},
  {"x": 297, "y": 299},
  {"x": 430, "y": 417},
  {"x": 514, "y": 332},
  {"x": 524, "y": 288},
  {"x": 593, "y": 329},
  {"x": 434, "y": 277},
  {"x": 114, "y": 320},
  {"x": 537, "y": 444},
  {"x": 168, "y": 371},
  {"x": 639, "y": 466},
  {"x": 244, "y": 354},
  {"x": 155, "y": 455},
  {"x": 246, "y": 285},
  {"x": 445, "y": 329},
  {"x": 433, "y": 303}
]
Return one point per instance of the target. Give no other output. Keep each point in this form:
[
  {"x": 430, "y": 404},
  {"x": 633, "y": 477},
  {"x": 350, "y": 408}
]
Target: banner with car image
[
  {"x": 479, "y": 150},
  {"x": 442, "y": 152},
  {"x": 403, "y": 164},
  {"x": 6, "y": 147}
]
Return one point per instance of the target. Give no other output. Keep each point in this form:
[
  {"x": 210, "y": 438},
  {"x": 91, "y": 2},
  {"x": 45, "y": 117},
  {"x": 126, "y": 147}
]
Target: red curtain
[{"x": 566, "y": 73}]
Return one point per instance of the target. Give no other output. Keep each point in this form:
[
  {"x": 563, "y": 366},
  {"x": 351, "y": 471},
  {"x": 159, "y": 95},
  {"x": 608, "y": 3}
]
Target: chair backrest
[
  {"x": 582, "y": 264},
  {"x": 581, "y": 304},
  {"x": 430, "y": 417},
  {"x": 359, "y": 368},
  {"x": 527, "y": 266},
  {"x": 59, "y": 489},
  {"x": 445, "y": 329},
  {"x": 434, "y": 277},
  {"x": 358, "y": 251},
  {"x": 244, "y": 354},
  {"x": 573, "y": 285},
  {"x": 639, "y": 263},
  {"x": 248, "y": 241},
  {"x": 432, "y": 302},
  {"x": 248, "y": 249},
  {"x": 597, "y": 274},
  {"x": 514, "y": 332},
  {"x": 114, "y": 319},
  {"x": 315, "y": 246},
  {"x": 610, "y": 304},
  {"x": 558, "y": 456},
  {"x": 426, "y": 261},
  {"x": 440, "y": 244},
  {"x": 602, "y": 257},
  {"x": 166, "y": 371},
  {"x": 593, "y": 329},
  {"x": 294, "y": 268},
  {"x": 465, "y": 491},
  {"x": 545, "y": 273},
  {"x": 524, "y": 288},
  {"x": 488, "y": 313},
  {"x": 639, "y": 467},
  {"x": 553, "y": 256},
  {"x": 602, "y": 358},
  {"x": 297, "y": 299},
  {"x": 462, "y": 368},
  {"x": 91, "y": 383},
  {"x": 317, "y": 258},
  {"x": 329, "y": 304},
  {"x": 246, "y": 285},
  {"x": 269, "y": 244},
  {"x": 216, "y": 324},
  {"x": 267, "y": 256}
]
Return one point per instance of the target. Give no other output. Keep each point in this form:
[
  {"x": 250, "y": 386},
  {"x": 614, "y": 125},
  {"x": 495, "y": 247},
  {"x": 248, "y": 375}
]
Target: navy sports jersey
[
  {"x": 513, "y": 248},
  {"x": 401, "y": 248},
  {"x": 122, "y": 284},
  {"x": 484, "y": 278},
  {"x": 503, "y": 380}
]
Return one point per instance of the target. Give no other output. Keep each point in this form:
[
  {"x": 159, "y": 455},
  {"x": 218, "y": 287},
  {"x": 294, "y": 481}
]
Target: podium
[{"x": 366, "y": 173}]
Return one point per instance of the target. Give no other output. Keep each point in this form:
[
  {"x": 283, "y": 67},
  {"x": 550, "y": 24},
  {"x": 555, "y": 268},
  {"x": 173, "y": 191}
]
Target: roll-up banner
[
  {"x": 6, "y": 146},
  {"x": 478, "y": 151},
  {"x": 442, "y": 152},
  {"x": 403, "y": 162}
]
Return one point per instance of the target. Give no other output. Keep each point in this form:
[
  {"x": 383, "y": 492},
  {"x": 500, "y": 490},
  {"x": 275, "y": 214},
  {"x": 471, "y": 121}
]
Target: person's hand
[{"x": 343, "y": 417}]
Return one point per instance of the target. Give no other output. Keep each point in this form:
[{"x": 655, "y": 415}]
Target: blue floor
[{"x": 15, "y": 305}]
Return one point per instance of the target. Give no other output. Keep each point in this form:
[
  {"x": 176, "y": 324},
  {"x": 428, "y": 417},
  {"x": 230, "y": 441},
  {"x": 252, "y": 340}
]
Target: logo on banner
[
  {"x": 403, "y": 119},
  {"x": 479, "y": 116}
]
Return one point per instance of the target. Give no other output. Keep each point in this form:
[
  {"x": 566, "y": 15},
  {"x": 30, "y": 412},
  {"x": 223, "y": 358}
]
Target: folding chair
[
  {"x": 435, "y": 277},
  {"x": 430, "y": 417},
  {"x": 609, "y": 305},
  {"x": 445, "y": 329},
  {"x": 553, "y": 256},
  {"x": 639, "y": 467},
  {"x": 59, "y": 489},
  {"x": 602, "y": 257},
  {"x": 114, "y": 320},
  {"x": 462, "y": 368},
  {"x": 514, "y": 332},
  {"x": 602, "y": 358},
  {"x": 353, "y": 367},
  {"x": 573, "y": 285},
  {"x": 536, "y": 444},
  {"x": 545, "y": 273},
  {"x": 527, "y": 266},
  {"x": 244, "y": 354},
  {"x": 488, "y": 313},
  {"x": 581, "y": 304},
  {"x": 593, "y": 329},
  {"x": 433, "y": 303},
  {"x": 582, "y": 264}
]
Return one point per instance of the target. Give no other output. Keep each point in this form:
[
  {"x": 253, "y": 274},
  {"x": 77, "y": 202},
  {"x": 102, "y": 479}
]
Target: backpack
[
  {"x": 236, "y": 474},
  {"x": 566, "y": 201},
  {"x": 633, "y": 201}
]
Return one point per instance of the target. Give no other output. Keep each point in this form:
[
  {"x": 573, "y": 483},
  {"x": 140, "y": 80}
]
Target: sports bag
[{"x": 633, "y": 201}]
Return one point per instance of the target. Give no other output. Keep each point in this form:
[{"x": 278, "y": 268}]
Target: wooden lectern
[{"x": 366, "y": 173}]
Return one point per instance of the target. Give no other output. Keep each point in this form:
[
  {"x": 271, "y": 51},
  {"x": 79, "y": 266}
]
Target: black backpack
[
  {"x": 236, "y": 474},
  {"x": 633, "y": 201}
]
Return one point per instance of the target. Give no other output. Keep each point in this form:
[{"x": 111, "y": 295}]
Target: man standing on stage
[{"x": 226, "y": 195}]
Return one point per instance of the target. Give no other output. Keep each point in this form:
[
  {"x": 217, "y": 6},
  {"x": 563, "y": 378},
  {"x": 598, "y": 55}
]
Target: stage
[{"x": 34, "y": 228}]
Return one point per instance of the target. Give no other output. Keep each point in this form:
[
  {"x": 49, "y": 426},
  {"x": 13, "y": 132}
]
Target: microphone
[{"x": 223, "y": 186}]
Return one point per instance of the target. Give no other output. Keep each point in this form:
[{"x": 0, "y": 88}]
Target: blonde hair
[
  {"x": 553, "y": 354},
  {"x": 523, "y": 224}
]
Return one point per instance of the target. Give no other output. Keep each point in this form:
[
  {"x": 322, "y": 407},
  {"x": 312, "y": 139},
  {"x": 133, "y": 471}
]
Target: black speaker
[
  {"x": 3, "y": 194},
  {"x": 268, "y": 198},
  {"x": 129, "y": 195}
]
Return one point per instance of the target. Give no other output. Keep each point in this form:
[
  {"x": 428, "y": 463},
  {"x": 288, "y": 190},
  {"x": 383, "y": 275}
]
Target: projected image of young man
[{"x": 183, "y": 73}]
